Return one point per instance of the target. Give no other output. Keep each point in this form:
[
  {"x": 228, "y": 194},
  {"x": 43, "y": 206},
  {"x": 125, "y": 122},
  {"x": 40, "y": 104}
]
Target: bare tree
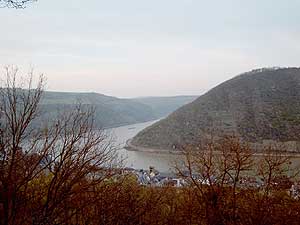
[
  {"x": 235, "y": 158},
  {"x": 44, "y": 168},
  {"x": 273, "y": 167},
  {"x": 199, "y": 170},
  {"x": 214, "y": 169},
  {"x": 18, "y": 4}
]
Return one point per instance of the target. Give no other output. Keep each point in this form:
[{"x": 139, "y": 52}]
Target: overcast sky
[{"x": 131, "y": 48}]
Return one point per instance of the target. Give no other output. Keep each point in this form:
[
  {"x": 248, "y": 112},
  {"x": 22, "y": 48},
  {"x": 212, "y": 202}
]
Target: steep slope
[
  {"x": 259, "y": 106},
  {"x": 163, "y": 106}
]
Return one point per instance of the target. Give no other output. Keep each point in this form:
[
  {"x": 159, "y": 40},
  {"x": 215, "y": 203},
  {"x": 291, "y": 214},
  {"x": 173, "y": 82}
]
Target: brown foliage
[
  {"x": 66, "y": 172},
  {"x": 224, "y": 174},
  {"x": 46, "y": 167}
]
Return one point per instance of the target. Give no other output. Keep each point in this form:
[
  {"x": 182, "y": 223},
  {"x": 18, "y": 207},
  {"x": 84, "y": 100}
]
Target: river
[
  {"x": 141, "y": 160},
  {"x": 161, "y": 162}
]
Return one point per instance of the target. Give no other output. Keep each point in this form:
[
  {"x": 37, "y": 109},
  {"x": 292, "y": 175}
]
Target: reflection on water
[{"x": 141, "y": 160}]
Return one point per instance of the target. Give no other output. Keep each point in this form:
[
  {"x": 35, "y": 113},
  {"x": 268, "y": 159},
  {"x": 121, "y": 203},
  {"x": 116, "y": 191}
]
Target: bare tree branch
[
  {"x": 18, "y": 4},
  {"x": 48, "y": 166}
]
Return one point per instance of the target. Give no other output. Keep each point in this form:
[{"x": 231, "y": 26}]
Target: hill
[
  {"x": 111, "y": 111},
  {"x": 261, "y": 106},
  {"x": 163, "y": 106}
]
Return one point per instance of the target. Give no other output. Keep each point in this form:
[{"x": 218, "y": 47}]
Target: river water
[
  {"x": 141, "y": 160},
  {"x": 161, "y": 162}
]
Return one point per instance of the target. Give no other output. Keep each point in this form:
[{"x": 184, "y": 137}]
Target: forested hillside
[
  {"x": 259, "y": 106},
  {"x": 111, "y": 111}
]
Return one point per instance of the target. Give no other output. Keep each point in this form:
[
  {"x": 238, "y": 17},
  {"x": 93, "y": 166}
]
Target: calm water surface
[
  {"x": 162, "y": 162},
  {"x": 141, "y": 160}
]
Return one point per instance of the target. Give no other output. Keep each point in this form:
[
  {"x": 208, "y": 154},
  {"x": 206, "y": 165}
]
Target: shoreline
[
  {"x": 133, "y": 148},
  {"x": 127, "y": 124}
]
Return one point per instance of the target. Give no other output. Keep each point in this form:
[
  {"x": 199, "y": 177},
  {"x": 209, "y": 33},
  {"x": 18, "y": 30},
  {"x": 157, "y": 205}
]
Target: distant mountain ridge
[
  {"x": 163, "y": 106},
  {"x": 111, "y": 111},
  {"x": 260, "y": 106}
]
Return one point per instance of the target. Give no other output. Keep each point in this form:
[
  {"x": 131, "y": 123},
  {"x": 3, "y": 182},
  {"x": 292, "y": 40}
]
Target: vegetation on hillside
[
  {"x": 68, "y": 173},
  {"x": 109, "y": 111},
  {"x": 112, "y": 111},
  {"x": 258, "y": 106}
]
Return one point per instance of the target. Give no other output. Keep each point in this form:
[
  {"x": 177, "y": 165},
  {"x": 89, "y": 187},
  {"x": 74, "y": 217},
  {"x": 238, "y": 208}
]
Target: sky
[{"x": 137, "y": 48}]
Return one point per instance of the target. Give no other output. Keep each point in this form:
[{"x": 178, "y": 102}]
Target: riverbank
[{"x": 130, "y": 147}]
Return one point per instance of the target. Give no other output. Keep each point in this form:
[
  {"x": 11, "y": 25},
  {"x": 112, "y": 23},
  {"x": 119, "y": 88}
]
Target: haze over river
[{"x": 141, "y": 160}]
